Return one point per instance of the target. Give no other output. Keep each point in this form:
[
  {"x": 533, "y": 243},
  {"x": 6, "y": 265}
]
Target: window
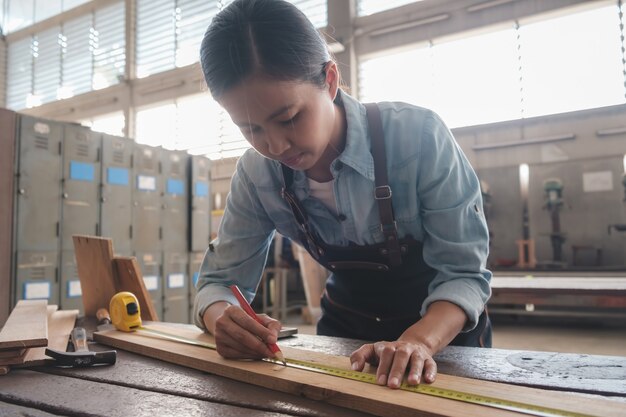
[
  {"x": 315, "y": 10},
  {"x": 169, "y": 32},
  {"x": 19, "y": 74},
  {"x": 47, "y": 65},
  {"x": 77, "y": 47},
  {"x": 572, "y": 62},
  {"x": 469, "y": 81},
  {"x": 23, "y": 13},
  {"x": 83, "y": 54},
  {"x": 196, "y": 124},
  {"x": 109, "y": 50},
  {"x": 367, "y": 7},
  {"x": 563, "y": 64}
]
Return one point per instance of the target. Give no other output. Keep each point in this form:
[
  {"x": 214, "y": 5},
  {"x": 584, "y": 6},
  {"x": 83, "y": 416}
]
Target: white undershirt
[{"x": 323, "y": 191}]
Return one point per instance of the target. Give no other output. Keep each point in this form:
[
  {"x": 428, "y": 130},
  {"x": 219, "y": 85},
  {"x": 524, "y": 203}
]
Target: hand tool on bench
[
  {"x": 104, "y": 320},
  {"x": 82, "y": 356},
  {"x": 126, "y": 317}
]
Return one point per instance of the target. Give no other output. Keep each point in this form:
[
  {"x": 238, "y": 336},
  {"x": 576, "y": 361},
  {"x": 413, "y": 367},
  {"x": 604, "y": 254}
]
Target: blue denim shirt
[{"x": 436, "y": 199}]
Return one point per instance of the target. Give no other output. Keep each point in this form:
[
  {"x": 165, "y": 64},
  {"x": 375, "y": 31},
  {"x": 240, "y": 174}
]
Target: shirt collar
[{"x": 357, "y": 152}]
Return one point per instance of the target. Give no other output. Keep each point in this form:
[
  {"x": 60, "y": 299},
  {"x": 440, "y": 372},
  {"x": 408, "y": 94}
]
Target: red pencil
[{"x": 246, "y": 307}]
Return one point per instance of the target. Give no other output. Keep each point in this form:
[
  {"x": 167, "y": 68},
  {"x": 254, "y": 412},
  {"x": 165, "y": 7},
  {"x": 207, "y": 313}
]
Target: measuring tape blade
[
  {"x": 176, "y": 338},
  {"x": 450, "y": 394},
  {"x": 487, "y": 401}
]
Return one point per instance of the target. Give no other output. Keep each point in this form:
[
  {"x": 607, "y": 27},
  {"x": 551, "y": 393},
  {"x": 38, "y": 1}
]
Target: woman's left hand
[{"x": 394, "y": 359}]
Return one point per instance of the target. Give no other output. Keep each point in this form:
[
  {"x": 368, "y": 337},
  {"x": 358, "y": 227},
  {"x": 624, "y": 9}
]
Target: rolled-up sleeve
[
  {"x": 238, "y": 254},
  {"x": 456, "y": 239}
]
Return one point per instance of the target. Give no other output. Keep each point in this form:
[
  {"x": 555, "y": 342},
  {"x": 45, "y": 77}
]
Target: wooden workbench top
[{"x": 141, "y": 386}]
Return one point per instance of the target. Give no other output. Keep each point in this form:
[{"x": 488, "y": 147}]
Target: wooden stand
[
  {"x": 526, "y": 253},
  {"x": 102, "y": 275}
]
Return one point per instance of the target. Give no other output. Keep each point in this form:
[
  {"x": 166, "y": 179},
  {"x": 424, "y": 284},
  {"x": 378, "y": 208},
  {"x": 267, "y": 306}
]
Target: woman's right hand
[{"x": 239, "y": 336}]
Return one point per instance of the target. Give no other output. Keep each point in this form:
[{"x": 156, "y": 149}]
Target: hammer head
[{"x": 83, "y": 358}]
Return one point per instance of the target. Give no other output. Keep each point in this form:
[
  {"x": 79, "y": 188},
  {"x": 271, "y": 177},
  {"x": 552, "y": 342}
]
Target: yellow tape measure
[{"x": 125, "y": 316}]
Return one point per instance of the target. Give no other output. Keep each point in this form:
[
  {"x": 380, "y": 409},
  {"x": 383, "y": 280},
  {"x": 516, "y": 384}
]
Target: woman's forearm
[{"x": 441, "y": 323}]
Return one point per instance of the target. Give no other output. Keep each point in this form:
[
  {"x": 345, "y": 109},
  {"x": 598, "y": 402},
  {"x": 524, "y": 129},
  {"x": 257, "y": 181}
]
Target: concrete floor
[{"x": 539, "y": 337}]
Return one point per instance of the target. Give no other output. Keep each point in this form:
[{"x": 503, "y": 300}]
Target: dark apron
[{"x": 375, "y": 292}]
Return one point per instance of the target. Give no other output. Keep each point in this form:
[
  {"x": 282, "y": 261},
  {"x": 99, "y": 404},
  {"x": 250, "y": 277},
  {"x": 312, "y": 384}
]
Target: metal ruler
[{"x": 493, "y": 402}]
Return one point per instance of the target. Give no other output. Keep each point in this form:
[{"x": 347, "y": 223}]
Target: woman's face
[{"x": 288, "y": 121}]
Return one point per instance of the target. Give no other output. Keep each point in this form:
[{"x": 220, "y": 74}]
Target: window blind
[
  {"x": 192, "y": 19},
  {"x": 156, "y": 36},
  {"x": 47, "y": 65},
  {"x": 315, "y": 10},
  {"x": 109, "y": 46},
  {"x": 77, "y": 68},
  {"x": 19, "y": 73}
]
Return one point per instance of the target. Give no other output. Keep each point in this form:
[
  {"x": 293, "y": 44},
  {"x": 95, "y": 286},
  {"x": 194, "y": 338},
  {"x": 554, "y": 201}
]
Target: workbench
[{"x": 140, "y": 386}]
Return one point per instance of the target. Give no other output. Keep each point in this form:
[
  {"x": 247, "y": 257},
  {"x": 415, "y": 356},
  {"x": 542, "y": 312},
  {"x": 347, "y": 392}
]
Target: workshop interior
[{"x": 111, "y": 148}]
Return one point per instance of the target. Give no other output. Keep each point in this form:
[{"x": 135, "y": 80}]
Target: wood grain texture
[
  {"x": 130, "y": 278},
  {"x": 573, "y": 372},
  {"x": 355, "y": 395},
  {"x": 79, "y": 397},
  {"x": 26, "y": 326},
  {"x": 11, "y": 353},
  {"x": 60, "y": 325},
  {"x": 94, "y": 260},
  {"x": 149, "y": 374}
]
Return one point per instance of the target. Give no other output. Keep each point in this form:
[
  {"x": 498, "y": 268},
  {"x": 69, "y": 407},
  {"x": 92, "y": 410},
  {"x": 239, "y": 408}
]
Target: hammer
[{"x": 81, "y": 357}]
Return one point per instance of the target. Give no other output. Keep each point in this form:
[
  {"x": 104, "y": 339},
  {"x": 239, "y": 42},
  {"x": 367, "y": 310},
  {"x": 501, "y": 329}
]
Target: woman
[{"x": 383, "y": 198}]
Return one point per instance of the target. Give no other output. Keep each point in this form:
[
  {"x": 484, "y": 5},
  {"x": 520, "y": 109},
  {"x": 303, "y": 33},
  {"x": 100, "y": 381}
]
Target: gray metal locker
[
  {"x": 81, "y": 184},
  {"x": 36, "y": 276},
  {"x": 116, "y": 202},
  {"x": 38, "y": 209},
  {"x": 147, "y": 193},
  {"x": 70, "y": 290},
  {"x": 175, "y": 202},
  {"x": 150, "y": 265},
  {"x": 200, "y": 192},
  {"x": 8, "y": 134},
  {"x": 175, "y": 287},
  {"x": 195, "y": 261}
]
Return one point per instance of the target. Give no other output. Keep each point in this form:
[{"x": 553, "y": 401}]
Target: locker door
[
  {"x": 200, "y": 203},
  {"x": 175, "y": 201},
  {"x": 70, "y": 290},
  {"x": 36, "y": 276},
  {"x": 38, "y": 209},
  {"x": 150, "y": 265},
  {"x": 147, "y": 193},
  {"x": 175, "y": 288},
  {"x": 116, "y": 202},
  {"x": 81, "y": 184},
  {"x": 195, "y": 261}
]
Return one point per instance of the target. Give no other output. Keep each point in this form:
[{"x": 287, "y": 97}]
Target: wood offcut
[{"x": 27, "y": 326}]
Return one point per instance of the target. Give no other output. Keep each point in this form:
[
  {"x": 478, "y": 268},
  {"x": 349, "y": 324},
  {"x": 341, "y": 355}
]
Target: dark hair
[{"x": 269, "y": 36}]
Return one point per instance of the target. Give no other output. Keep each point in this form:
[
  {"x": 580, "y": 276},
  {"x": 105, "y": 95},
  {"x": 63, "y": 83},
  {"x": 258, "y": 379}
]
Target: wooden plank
[
  {"x": 80, "y": 397},
  {"x": 374, "y": 399},
  {"x": 154, "y": 375},
  {"x": 12, "y": 410},
  {"x": 26, "y": 326},
  {"x": 60, "y": 325},
  {"x": 94, "y": 260},
  {"x": 130, "y": 278},
  {"x": 11, "y": 353},
  {"x": 8, "y": 120},
  {"x": 591, "y": 374}
]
